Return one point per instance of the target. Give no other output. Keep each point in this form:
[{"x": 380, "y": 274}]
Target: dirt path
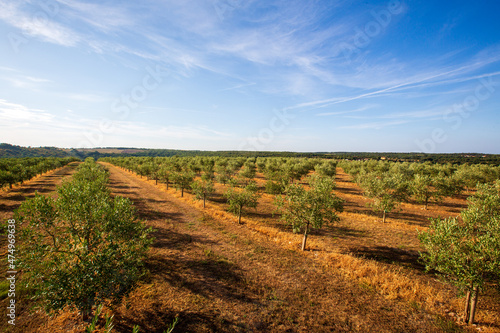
[{"x": 218, "y": 276}]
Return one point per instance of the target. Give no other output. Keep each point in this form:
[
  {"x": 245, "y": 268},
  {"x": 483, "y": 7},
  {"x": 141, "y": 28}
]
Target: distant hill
[{"x": 8, "y": 150}]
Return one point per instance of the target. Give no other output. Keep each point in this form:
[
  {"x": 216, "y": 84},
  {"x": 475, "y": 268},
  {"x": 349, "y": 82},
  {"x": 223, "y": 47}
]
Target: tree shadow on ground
[
  {"x": 391, "y": 255},
  {"x": 210, "y": 276},
  {"x": 338, "y": 231},
  {"x": 156, "y": 319},
  {"x": 168, "y": 238},
  {"x": 348, "y": 190},
  {"x": 219, "y": 198},
  {"x": 410, "y": 218}
]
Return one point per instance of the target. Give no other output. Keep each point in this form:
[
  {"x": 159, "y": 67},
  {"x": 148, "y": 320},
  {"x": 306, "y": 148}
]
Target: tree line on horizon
[{"x": 13, "y": 151}]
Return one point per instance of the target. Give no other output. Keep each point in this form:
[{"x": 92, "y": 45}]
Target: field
[{"x": 215, "y": 275}]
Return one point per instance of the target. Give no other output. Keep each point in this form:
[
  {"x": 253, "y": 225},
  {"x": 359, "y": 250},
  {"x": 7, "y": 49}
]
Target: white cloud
[
  {"x": 10, "y": 112},
  {"x": 35, "y": 22}
]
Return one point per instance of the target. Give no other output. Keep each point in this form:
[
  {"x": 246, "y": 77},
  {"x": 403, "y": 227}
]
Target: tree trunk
[
  {"x": 203, "y": 201},
  {"x": 239, "y": 215},
  {"x": 467, "y": 306},
  {"x": 305, "y": 237},
  {"x": 167, "y": 185},
  {"x": 426, "y": 201},
  {"x": 383, "y": 217},
  {"x": 182, "y": 192},
  {"x": 156, "y": 181},
  {"x": 475, "y": 292}
]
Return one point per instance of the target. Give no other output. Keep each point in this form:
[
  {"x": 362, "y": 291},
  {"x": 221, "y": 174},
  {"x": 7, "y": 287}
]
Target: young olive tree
[
  {"x": 304, "y": 209},
  {"x": 326, "y": 168},
  {"x": 467, "y": 250},
  {"x": 83, "y": 248},
  {"x": 248, "y": 171},
  {"x": 203, "y": 189},
  {"x": 423, "y": 189},
  {"x": 165, "y": 174},
  {"x": 183, "y": 180},
  {"x": 387, "y": 191},
  {"x": 448, "y": 186},
  {"x": 224, "y": 174},
  {"x": 239, "y": 198}
]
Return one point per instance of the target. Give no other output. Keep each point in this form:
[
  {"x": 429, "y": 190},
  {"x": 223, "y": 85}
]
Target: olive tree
[
  {"x": 239, "y": 198},
  {"x": 386, "y": 190},
  {"x": 467, "y": 250},
  {"x": 83, "y": 248},
  {"x": 183, "y": 180},
  {"x": 203, "y": 189},
  {"x": 327, "y": 168},
  {"x": 248, "y": 171},
  {"x": 304, "y": 209},
  {"x": 423, "y": 189}
]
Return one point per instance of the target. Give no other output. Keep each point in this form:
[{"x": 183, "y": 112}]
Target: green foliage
[
  {"x": 274, "y": 187},
  {"x": 448, "y": 186},
  {"x": 203, "y": 189},
  {"x": 326, "y": 169},
  {"x": 386, "y": 189},
  {"x": 84, "y": 247},
  {"x": 108, "y": 326},
  {"x": 423, "y": 189},
  {"x": 18, "y": 170},
  {"x": 165, "y": 174},
  {"x": 467, "y": 250},
  {"x": 303, "y": 208},
  {"x": 240, "y": 198},
  {"x": 183, "y": 180},
  {"x": 248, "y": 171}
]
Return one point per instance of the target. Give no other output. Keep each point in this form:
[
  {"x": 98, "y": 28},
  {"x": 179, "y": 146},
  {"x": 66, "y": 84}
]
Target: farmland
[{"x": 359, "y": 273}]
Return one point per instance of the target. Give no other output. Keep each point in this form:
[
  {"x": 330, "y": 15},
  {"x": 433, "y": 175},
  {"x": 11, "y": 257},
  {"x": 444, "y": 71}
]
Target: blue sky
[{"x": 400, "y": 76}]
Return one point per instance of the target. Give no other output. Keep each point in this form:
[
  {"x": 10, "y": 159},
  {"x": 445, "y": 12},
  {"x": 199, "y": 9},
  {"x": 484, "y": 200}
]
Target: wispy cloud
[
  {"x": 374, "y": 125},
  {"x": 101, "y": 16},
  {"x": 33, "y": 22},
  {"x": 418, "y": 81},
  {"x": 360, "y": 109},
  {"x": 17, "y": 112},
  {"x": 238, "y": 86}
]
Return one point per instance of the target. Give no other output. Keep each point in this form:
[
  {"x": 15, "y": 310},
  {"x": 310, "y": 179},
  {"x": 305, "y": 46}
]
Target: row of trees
[
  {"x": 386, "y": 183},
  {"x": 278, "y": 171},
  {"x": 83, "y": 248},
  {"x": 18, "y": 170},
  {"x": 303, "y": 206},
  {"x": 389, "y": 183}
]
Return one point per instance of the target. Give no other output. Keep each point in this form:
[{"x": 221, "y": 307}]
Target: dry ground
[{"x": 218, "y": 276}]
